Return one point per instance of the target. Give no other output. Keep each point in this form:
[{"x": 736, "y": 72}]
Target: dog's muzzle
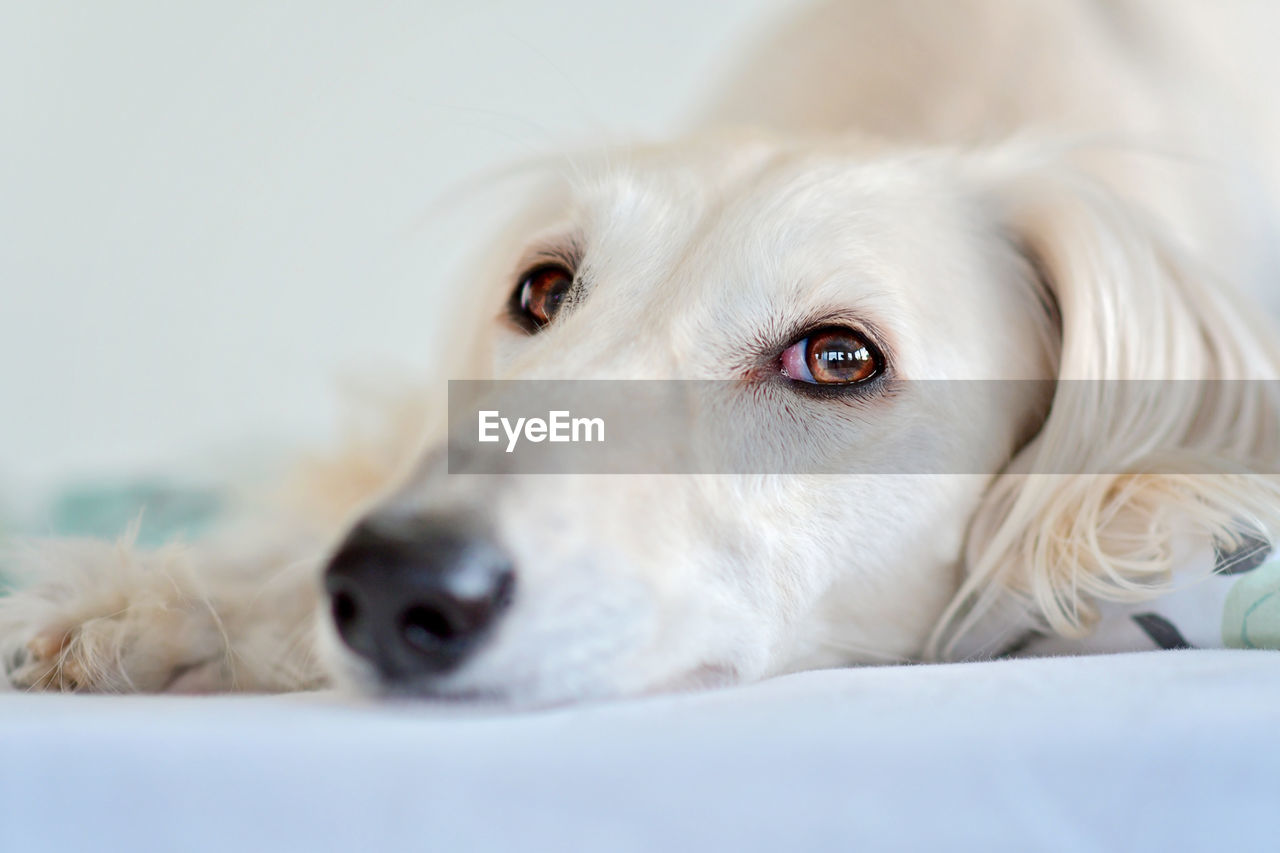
[{"x": 415, "y": 598}]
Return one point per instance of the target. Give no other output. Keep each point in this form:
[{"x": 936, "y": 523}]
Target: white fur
[{"x": 1007, "y": 189}]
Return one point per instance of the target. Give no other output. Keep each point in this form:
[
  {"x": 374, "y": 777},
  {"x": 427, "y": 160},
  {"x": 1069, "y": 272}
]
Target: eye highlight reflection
[
  {"x": 833, "y": 355},
  {"x": 540, "y": 295}
]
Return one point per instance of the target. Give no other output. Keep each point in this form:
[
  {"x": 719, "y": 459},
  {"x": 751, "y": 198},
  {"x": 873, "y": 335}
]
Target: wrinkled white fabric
[{"x": 1148, "y": 751}]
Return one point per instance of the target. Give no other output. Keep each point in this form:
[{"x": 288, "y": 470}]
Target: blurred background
[{"x": 211, "y": 210}]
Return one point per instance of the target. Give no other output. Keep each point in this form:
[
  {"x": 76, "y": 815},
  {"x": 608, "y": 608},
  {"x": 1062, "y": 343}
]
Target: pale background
[{"x": 210, "y": 209}]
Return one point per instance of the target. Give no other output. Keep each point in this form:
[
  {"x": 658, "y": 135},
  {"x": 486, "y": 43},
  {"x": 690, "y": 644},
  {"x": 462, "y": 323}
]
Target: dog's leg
[
  {"x": 109, "y": 617},
  {"x": 235, "y": 613}
]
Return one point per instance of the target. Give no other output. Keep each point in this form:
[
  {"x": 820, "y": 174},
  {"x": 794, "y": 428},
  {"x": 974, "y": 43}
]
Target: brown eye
[
  {"x": 540, "y": 294},
  {"x": 832, "y": 356}
]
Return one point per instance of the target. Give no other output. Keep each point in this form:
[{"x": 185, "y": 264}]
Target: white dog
[{"x": 948, "y": 190}]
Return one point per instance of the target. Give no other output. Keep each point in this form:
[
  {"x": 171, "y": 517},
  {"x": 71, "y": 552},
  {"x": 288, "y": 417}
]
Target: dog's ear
[{"x": 1162, "y": 430}]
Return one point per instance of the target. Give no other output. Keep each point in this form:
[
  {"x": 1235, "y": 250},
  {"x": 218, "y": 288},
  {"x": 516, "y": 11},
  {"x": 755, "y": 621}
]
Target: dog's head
[{"x": 826, "y": 285}]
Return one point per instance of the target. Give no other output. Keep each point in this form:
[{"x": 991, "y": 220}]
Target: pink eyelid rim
[{"x": 794, "y": 363}]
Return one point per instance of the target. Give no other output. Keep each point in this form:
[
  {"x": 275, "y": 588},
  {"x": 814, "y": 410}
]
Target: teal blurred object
[
  {"x": 6, "y": 531},
  {"x": 163, "y": 512}
]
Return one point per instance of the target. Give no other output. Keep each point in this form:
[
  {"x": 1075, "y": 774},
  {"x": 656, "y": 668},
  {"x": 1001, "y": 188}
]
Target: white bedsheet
[{"x": 1153, "y": 751}]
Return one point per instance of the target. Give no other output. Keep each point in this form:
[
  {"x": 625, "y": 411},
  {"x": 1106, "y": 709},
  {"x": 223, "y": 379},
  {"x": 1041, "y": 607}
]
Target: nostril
[
  {"x": 505, "y": 590},
  {"x": 344, "y": 610},
  {"x": 426, "y": 628}
]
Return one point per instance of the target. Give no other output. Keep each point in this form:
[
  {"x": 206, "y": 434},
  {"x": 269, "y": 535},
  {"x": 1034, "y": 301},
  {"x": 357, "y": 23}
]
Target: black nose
[{"x": 415, "y": 598}]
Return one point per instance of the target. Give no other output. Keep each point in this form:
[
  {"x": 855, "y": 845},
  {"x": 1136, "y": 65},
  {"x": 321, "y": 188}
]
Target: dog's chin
[
  {"x": 707, "y": 676},
  {"x": 352, "y": 676}
]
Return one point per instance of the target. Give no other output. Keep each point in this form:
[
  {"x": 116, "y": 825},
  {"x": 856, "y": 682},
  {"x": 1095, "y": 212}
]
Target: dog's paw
[{"x": 98, "y": 617}]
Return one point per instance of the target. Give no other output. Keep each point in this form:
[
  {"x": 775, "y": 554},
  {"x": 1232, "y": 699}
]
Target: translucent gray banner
[{"x": 773, "y": 426}]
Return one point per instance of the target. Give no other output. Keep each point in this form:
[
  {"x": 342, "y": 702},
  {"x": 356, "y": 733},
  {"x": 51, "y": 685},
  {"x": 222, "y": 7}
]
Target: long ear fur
[{"x": 1128, "y": 465}]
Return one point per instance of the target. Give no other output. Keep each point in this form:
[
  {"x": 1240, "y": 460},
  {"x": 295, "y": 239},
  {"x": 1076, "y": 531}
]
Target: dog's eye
[
  {"x": 831, "y": 356},
  {"x": 539, "y": 295}
]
